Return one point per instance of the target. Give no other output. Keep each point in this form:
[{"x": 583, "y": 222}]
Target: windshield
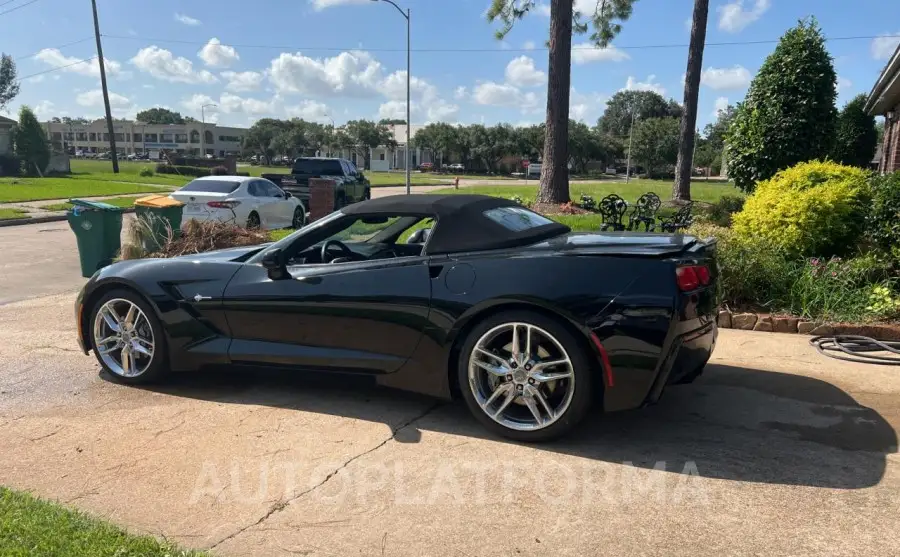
[
  {"x": 213, "y": 186},
  {"x": 318, "y": 167}
]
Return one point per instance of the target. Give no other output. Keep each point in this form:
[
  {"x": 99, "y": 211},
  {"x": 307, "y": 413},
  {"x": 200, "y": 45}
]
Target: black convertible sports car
[{"x": 444, "y": 295}]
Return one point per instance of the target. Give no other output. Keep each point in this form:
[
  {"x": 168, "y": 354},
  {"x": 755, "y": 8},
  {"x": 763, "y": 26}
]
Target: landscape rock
[
  {"x": 725, "y": 319},
  {"x": 805, "y": 327},
  {"x": 744, "y": 321},
  {"x": 822, "y": 331},
  {"x": 764, "y": 323},
  {"x": 785, "y": 324}
]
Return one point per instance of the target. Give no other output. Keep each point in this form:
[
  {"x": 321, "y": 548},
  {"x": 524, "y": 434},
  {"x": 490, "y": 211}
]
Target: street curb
[{"x": 40, "y": 220}]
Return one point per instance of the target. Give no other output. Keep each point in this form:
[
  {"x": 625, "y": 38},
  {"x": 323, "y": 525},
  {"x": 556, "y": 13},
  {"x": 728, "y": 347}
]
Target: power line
[
  {"x": 460, "y": 50},
  {"x": 73, "y": 43},
  {"x": 17, "y": 7}
]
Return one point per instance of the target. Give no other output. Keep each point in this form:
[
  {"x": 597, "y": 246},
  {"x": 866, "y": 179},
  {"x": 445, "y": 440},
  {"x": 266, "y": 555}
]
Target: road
[
  {"x": 42, "y": 259},
  {"x": 774, "y": 451}
]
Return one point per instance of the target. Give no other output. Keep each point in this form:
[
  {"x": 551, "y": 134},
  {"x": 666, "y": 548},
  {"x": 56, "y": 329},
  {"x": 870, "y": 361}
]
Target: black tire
[
  {"x": 340, "y": 201},
  {"x": 253, "y": 221},
  {"x": 368, "y": 194},
  {"x": 159, "y": 364},
  {"x": 581, "y": 363},
  {"x": 299, "y": 220}
]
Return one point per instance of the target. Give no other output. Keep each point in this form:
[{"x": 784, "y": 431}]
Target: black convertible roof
[{"x": 461, "y": 221}]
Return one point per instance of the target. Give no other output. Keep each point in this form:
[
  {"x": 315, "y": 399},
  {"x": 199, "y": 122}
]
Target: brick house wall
[{"x": 890, "y": 158}]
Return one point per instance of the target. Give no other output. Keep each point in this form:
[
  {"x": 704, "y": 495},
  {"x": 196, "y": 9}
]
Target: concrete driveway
[{"x": 775, "y": 450}]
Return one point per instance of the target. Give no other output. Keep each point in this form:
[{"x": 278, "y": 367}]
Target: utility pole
[
  {"x": 634, "y": 111},
  {"x": 109, "y": 121}
]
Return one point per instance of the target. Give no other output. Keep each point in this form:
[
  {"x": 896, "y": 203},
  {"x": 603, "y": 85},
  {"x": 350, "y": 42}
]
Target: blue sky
[{"x": 345, "y": 59}]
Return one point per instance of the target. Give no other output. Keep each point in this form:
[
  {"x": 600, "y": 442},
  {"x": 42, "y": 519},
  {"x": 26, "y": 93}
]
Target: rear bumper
[
  {"x": 696, "y": 348},
  {"x": 210, "y": 214}
]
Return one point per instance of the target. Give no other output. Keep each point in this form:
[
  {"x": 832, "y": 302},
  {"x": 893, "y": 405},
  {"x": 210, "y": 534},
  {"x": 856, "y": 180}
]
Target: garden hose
[{"x": 857, "y": 349}]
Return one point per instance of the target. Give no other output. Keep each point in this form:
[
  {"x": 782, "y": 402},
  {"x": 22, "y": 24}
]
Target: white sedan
[{"x": 246, "y": 201}]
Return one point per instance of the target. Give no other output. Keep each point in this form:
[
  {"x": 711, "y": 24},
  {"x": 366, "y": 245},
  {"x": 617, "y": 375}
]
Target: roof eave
[{"x": 887, "y": 86}]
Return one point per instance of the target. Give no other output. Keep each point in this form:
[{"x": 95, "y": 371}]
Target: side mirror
[
  {"x": 288, "y": 195},
  {"x": 273, "y": 262}
]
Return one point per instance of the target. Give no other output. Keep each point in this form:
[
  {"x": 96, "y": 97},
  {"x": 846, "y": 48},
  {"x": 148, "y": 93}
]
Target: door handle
[
  {"x": 434, "y": 271},
  {"x": 310, "y": 280}
]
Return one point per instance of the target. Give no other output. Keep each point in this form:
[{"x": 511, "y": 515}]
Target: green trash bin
[
  {"x": 98, "y": 230},
  {"x": 161, "y": 213}
]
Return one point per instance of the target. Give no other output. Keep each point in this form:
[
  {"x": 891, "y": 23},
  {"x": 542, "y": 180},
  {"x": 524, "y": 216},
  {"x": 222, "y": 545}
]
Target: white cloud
[
  {"x": 586, "y": 107},
  {"x": 733, "y": 17},
  {"x": 242, "y": 81},
  {"x": 161, "y": 64},
  {"x": 529, "y": 45},
  {"x": 720, "y": 105},
  {"x": 197, "y": 101},
  {"x": 442, "y": 111},
  {"x": 586, "y": 53},
  {"x": 352, "y": 74},
  {"x": 460, "y": 93},
  {"x": 311, "y": 111},
  {"x": 323, "y": 4},
  {"x": 90, "y": 68},
  {"x": 394, "y": 88},
  {"x": 44, "y": 110},
  {"x": 522, "y": 73},
  {"x": 542, "y": 9},
  {"x": 737, "y": 77},
  {"x": 503, "y": 94},
  {"x": 884, "y": 45},
  {"x": 229, "y": 102},
  {"x": 649, "y": 85},
  {"x": 187, "y": 20},
  {"x": 217, "y": 55},
  {"x": 393, "y": 110},
  {"x": 119, "y": 104},
  {"x": 843, "y": 83}
]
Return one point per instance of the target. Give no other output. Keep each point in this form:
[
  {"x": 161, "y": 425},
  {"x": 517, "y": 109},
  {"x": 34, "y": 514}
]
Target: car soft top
[{"x": 463, "y": 224}]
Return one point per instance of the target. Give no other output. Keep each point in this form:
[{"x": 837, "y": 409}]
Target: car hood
[{"x": 227, "y": 254}]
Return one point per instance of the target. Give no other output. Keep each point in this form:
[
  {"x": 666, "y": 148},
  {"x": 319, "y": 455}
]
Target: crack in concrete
[{"x": 280, "y": 505}]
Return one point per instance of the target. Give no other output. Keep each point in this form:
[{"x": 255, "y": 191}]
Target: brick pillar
[
  {"x": 892, "y": 151},
  {"x": 321, "y": 198}
]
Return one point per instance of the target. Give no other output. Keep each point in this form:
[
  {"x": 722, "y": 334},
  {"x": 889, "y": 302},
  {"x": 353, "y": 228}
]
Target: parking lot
[{"x": 775, "y": 451}]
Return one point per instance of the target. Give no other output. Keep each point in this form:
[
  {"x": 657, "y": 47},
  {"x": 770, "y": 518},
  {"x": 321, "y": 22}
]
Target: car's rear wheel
[
  {"x": 127, "y": 338},
  {"x": 525, "y": 376},
  {"x": 368, "y": 194},
  {"x": 340, "y": 201},
  {"x": 299, "y": 220},
  {"x": 253, "y": 221}
]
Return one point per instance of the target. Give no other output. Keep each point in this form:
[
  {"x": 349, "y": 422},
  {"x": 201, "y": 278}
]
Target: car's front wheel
[
  {"x": 299, "y": 220},
  {"x": 127, "y": 338},
  {"x": 525, "y": 376}
]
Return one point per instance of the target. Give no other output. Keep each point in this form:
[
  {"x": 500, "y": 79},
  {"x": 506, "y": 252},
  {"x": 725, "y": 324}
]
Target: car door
[
  {"x": 282, "y": 207},
  {"x": 358, "y": 187},
  {"x": 362, "y": 317},
  {"x": 264, "y": 202}
]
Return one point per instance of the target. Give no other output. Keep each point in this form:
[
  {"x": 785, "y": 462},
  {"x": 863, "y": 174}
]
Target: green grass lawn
[
  {"x": 12, "y": 214},
  {"x": 34, "y": 189},
  {"x": 31, "y": 526},
  {"x": 115, "y": 201},
  {"x": 700, "y": 191}
]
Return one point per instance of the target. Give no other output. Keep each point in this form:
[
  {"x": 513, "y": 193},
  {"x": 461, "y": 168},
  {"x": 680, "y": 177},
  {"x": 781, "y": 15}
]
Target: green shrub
[
  {"x": 10, "y": 165},
  {"x": 720, "y": 212},
  {"x": 883, "y": 218},
  {"x": 146, "y": 172},
  {"x": 839, "y": 289},
  {"x": 813, "y": 208},
  {"x": 219, "y": 171},
  {"x": 193, "y": 171}
]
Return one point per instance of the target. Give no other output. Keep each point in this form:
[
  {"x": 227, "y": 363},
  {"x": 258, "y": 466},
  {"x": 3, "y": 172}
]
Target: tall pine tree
[{"x": 564, "y": 21}]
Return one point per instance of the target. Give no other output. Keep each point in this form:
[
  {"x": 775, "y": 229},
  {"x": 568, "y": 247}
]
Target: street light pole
[
  {"x": 408, "y": 78},
  {"x": 203, "y": 129},
  {"x": 634, "y": 110}
]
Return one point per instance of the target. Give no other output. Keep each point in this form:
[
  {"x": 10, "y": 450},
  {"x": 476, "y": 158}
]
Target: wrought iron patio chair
[
  {"x": 644, "y": 212},
  {"x": 679, "y": 221},
  {"x": 612, "y": 211}
]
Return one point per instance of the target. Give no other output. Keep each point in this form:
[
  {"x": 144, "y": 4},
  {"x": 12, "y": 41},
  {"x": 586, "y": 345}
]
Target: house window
[
  {"x": 381, "y": 157},
  {"x": 137, "y": 138},
  {"x": 208, "y": 137},
  {"x": 106, "y": 137},
  {"x": 92, "y": 136},
  {"x": 70, "y": 136},
  {"x": 120, "y": 137},
  {"x": 166, "y": 138},
  {"x": 56, "y": 136},
  {"x": 195, "y": 137},
  {"x": 150, "y": 137},
  {"x": 181, "y": 138},
  {"x": 128, "y": 137},
  {"x": 81, "y": 136}
]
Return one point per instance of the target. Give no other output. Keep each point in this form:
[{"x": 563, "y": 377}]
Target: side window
[
  {"x": 352, "y": 168},
  {"x": 255, "y": 190},
  {"x": 346, "y": 168},
  {"x": 272, "y": 190}
]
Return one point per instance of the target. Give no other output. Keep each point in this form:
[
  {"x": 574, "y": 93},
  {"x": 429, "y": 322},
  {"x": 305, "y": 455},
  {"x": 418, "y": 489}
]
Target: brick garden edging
[{"x": 785, "y": 324}]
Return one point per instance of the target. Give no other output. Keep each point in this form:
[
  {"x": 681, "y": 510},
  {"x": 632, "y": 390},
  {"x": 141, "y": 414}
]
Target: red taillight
[
  {"x": 224, "y": 204},
  {"x": 691, "y": 277}
]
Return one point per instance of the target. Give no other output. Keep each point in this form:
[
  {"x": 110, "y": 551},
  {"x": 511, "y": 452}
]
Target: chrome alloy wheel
[
  {"x": 521, "y": 376},
  {"x": 123, "y": 338}
]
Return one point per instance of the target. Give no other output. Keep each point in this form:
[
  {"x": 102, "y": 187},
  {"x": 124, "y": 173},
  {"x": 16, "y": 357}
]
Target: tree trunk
[
  {"x": 684, "y": 165},
  {"x": 554, "y": 169}
]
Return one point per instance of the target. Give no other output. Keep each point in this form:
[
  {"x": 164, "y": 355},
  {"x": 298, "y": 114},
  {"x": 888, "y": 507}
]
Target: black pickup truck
[{"x": 350, "y": 184}]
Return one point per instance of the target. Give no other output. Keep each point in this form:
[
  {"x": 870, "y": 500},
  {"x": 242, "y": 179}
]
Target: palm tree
[{"x": 684, "y": 165}]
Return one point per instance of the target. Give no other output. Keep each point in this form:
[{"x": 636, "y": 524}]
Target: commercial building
[
  {"x": 384, "y": 157},
  {"x": 6, "y": 126},
  {"x": 190, "y": 138},
  {"x": 884, "y": 100}
]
